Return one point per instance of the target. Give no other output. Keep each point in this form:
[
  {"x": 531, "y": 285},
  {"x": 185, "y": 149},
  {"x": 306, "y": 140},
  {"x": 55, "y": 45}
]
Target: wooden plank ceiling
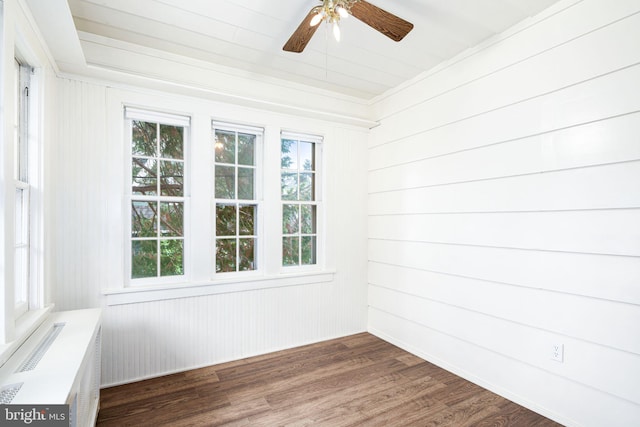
[{"x": 248, "y": 35}]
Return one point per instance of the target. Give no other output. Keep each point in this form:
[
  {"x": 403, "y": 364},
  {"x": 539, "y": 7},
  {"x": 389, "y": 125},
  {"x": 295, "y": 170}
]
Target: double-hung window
[
  {"x": 237, "y": 205},
  {"x": 22, "y": 199},
  {"x": 300, "y": 194},
  {"x": 255, "y": 213},
  {"x": 23, "y": 261},
  {"x": 158, "y": 164}
]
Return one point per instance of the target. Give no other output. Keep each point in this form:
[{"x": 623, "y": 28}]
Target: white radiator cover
[{"x": 66, "y": 370}]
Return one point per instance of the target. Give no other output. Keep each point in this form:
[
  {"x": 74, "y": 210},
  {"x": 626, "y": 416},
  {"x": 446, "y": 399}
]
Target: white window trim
[
  {"x": 149, "y": 115},
  {"x": 23, "y": 150},
  {"x": 134, "y": 295},
  {"x": 258, "y": 200},
  {"x": 199, "y": 192},
  {"x": 318, "y": 201},
  {"x": 19, "y": 322}
]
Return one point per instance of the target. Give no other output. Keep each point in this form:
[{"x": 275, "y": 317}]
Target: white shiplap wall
[
  {"x": 504, "y": 214},
  {"x": 147, "y": 339}
]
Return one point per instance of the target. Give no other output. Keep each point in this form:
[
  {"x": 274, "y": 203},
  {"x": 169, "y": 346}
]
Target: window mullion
[
  {"x": 236, "y": 183},
  {"x": 158, "y": 188},
  {"x": 299, "y": 237},
  {"x": 158, "y": 257}
]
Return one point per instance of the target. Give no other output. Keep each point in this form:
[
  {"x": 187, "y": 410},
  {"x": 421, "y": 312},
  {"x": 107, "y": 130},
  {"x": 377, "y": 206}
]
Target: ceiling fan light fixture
[
  {"x": 331, "y": 11},
  {"x": 344, "y": 13},
  {"x": 336, "y": 31},
  {"x": 317, "y": 18}
]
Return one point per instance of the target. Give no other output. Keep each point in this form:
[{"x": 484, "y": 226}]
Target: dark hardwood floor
[{"x": 354, "y": 381}]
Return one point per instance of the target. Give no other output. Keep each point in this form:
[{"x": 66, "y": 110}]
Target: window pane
[
  {"x": 247, "y": 254},
  {"x": 225, "y": 255},
  {"x": 171, "y": 257},
  {"x": 225, "y": 182},
  {"x": 171, "y": 178},
  {"x": 289, "y": 154},
  {"x": 143, "y": 219},
  {"x": 308, "y": 250},
  {"x": 171, "y": 219},
  {"x": 16, "y": 119},
  {"x": 307, "y": 159},
  {"x": 171, "y": 142},
  {"x": 248, "y": 216},
  {"x": 245, "y": 184},
  {"x": 290, "y": 221},
  {"x": 158, "y": 205},
  {"x": 290, "y": 249},
  {"x": 308, "y": 219},
  {"x": 246, "y": 149},
  {"x": 22, "y": 217},
  {"x": 145, "y": 177},
  {"x": 144, "y": 138},
  {"x": 225, "y": 220},
  {"x": 144, "y": 258},
  {"x": 306, "y": 186},
  {"x": 225, "y": 146},
  {"x": 21, "y": 274},
  {"x": 289, "y": 186}
]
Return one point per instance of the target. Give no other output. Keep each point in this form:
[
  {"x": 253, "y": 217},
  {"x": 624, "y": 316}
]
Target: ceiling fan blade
[
  {"x": 387, "y": 23},
  {"x": 302, "y": 35}
]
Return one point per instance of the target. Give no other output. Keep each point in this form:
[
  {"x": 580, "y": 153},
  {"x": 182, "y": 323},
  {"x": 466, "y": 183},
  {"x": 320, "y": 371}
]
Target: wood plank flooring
[{"x": 358, "y": 380}]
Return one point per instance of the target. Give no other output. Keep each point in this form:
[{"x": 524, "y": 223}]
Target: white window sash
[
  {"x": 256, "y": 201},
  {"x": 170, "y": 119}
]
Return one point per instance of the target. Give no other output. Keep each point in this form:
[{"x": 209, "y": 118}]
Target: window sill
[
  {"x": 25, "y": 325},
  {"x": 133, "y": 295}
]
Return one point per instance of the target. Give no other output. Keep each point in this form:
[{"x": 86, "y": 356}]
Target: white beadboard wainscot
[
  {"x": 504, "y": 214},
  {"x": 147, "y": 337}
]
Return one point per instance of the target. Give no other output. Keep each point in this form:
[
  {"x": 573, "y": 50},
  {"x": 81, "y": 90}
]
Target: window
[
  {"x": 22, "y": 187},
  {"x": 214, "y": 202},
  {"x": 158, "y": 165},
  {"x": 236, "y": 197},
  {"x": 299, "y": 193}
]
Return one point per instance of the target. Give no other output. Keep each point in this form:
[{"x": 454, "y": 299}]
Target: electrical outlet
[{"x": 557, "y": 352}]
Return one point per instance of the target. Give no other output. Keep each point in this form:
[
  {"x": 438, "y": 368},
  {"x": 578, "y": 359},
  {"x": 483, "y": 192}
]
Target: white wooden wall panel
[
  {"x": 148, "y": 339},
  {"x": 611, "y": 232},
  {"x": 606, "y": 277},
  {"x": 539, "y": 389},
  {"x": 517, "y": 304},
  {"x": 586, "y": 58},
  {"x": 504, "y": 203},
  {"x": 603, "y": 142},
  {"x": 489, "y": 330},
  {"x": 607, "y": 186},
  {"x": 607, "y": 96},
  {"x": 560, "y": 23}
]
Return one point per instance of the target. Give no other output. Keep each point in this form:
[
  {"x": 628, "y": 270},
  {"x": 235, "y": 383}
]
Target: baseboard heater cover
[
  {"x": 38, "y": 353},
  {"x": 7, "y": 393},
  {"x": 59, "y": 364}
]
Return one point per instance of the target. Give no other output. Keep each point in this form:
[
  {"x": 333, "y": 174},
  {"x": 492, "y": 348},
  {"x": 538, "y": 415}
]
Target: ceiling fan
[{"x": 332, "y": 10}]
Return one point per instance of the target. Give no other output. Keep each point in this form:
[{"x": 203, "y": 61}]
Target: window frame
[
  {"x": 160, "y": 118},
  {"x": 258, "y": 199},
  {"x": 201, "y": 277},
  {"x": 316, "y": 200},
  {"x": 22, "y": 177},
  {"x": 18, "y": 322}
]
